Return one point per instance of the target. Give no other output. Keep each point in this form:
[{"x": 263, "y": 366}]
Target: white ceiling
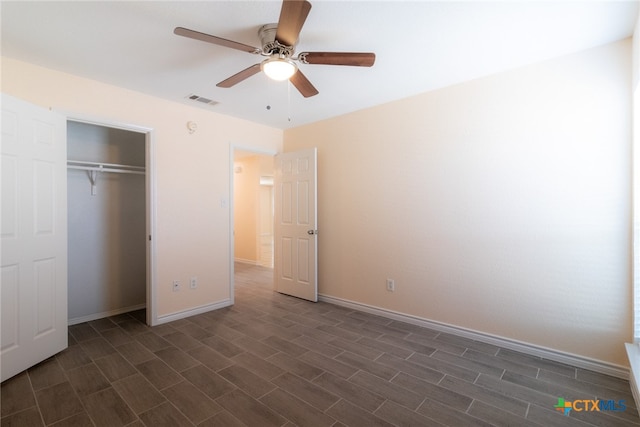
[{"x": 420, "y": 46}]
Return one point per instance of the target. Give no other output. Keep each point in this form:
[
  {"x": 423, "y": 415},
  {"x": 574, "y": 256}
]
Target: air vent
[{"x": 202, "y": 99}]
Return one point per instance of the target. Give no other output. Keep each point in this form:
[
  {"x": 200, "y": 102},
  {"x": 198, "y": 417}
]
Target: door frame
[
  {"x": 232, "y": 151},
  {"x": 150, "y": 201}
]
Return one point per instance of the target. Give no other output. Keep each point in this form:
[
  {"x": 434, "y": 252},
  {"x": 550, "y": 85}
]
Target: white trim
[
  {"x": 96, "y": 316},
  {"x": 633, "y": 353},
  {"x": 232, "y": 231},
  {"x": 150, "y": 177},
  {"x": 635, "y": 220},
  {"x": 101, "y": 121},
  {"x": 523, "y": 347},
  {"x": 247, "y": 261},
  {"x": 166, "y": 318}
]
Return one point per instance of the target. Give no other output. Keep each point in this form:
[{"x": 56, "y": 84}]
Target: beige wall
[
  {"x": 501, "y": 205},
  {"x": 192, "y": 173}
]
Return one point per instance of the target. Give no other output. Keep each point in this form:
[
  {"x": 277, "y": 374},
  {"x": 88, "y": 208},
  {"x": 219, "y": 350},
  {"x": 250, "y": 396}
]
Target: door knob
[{"x": 312, "y": 232}]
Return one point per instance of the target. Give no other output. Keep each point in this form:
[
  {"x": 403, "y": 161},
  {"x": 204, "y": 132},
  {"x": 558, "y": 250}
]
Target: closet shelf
[{"x": 105, "y": 167}]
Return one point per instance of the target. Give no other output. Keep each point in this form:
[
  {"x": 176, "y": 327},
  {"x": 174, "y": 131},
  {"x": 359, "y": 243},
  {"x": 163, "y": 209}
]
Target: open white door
[
  {"x": 296, "y": 245},
  {"x": 34, "y": 236}
]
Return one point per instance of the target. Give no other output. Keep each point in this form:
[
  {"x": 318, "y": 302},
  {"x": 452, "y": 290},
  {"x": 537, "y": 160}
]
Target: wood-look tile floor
[{"x": 274, "y": 360}]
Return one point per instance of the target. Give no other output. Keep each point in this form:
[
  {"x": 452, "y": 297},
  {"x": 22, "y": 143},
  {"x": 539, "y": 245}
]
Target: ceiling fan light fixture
[{"x": 279, "y": 69}]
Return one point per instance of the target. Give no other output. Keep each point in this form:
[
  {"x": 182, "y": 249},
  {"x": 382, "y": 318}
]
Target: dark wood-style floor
[{"x": 274, "y": 360}]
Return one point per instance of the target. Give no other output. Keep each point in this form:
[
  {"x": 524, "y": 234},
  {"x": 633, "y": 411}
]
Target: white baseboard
[
  {"x": 523, "y": 347},
  {"x": 104, "y": 314},
  {"x": 193, "y": 311},
  {"x": 247, "y": 261},
  {"x": 633, "y": 353}
]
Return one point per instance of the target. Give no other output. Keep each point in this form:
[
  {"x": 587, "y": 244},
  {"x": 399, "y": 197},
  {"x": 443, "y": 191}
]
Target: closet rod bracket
[{"x": 94, "y": 168}]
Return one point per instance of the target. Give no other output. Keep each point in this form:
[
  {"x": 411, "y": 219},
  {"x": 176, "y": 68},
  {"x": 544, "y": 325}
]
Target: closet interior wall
[{"x": 107, "y": 228}]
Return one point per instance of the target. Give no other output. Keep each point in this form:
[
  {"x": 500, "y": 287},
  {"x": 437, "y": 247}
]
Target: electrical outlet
[
  {"x": 176, "y": 285},
  {"x": 391, "y": 285},
  {"x": 193, "y": 283}
]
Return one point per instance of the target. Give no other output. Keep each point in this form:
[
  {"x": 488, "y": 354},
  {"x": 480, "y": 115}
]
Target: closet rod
[{"x": 105, "y": 167}]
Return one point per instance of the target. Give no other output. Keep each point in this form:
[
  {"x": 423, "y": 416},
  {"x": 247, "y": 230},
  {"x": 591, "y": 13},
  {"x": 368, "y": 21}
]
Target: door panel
[
  {"x": 43, "y": 190},
  {"x": 9, "y": 308},
  {"x": 286, "y": 258},
  {"x": 266, "y": 226},
  {"x": 295, "y": 224},
  {"x": 34, "y": 236},
  {"x": 303, "y": 203},
  {"x": 303, "y": 265}
]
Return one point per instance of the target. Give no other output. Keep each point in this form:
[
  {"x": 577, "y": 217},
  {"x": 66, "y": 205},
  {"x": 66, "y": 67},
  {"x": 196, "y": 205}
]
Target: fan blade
[
  {"x": 185, "y": 32},
  {"x": 303, "y": 84},
  {"x": 292, "y": 17},
  {"x": 238, "y": 77},
  {"x": 338, "y": 58}
]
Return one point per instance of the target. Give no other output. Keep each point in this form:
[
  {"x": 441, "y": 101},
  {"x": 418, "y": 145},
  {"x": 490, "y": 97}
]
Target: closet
[{"x": 106, "y": 203}]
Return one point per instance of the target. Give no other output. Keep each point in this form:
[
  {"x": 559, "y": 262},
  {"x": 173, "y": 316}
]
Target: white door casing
[
  {"x": 265, "y": 212},
  {"x": 34, "y": 236},
  {"x": 296, "y": 245}
]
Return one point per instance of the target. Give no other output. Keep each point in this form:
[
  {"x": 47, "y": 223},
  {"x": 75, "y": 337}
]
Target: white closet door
[{"x": 34, "y": 236}]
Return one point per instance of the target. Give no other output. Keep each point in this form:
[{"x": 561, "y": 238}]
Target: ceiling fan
[{"x": 278, "y": 43}]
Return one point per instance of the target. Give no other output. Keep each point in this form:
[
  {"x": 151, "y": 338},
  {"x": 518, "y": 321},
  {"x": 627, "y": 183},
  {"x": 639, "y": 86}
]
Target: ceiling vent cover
[{"x": 202, "y": 99}]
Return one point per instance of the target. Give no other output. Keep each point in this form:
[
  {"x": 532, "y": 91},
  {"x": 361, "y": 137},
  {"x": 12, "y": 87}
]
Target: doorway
[
  {"x": 252, "y": 212},
  {"x": 109, "y": 215}
]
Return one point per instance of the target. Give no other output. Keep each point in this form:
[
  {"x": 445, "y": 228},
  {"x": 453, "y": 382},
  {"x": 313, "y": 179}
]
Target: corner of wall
[
  {"x": 636, "y": 54},
  {"x": 633, "y": 352}
]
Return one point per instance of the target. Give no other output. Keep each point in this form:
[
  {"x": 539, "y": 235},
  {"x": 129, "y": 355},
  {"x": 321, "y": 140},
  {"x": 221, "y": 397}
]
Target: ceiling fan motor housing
[
  {"x": 278, "y": 43},
  {"x": 270, "y": 46}
]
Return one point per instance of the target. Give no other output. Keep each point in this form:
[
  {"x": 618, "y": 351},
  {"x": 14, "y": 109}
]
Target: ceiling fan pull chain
[
  {"x": 269, "y": 92},
  {"x": 288, "y": 100}
]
